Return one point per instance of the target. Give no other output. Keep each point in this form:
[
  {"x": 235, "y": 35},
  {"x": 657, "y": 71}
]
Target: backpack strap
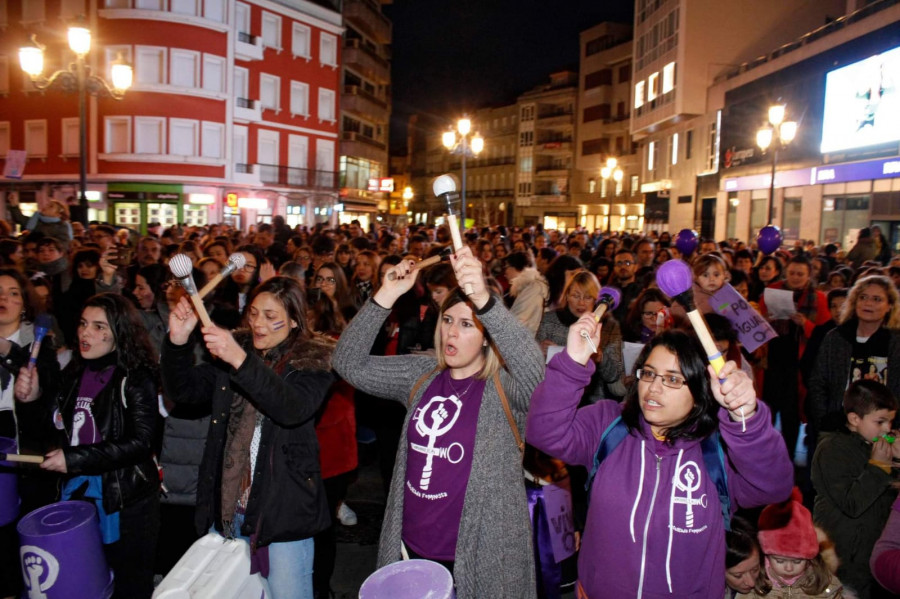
[
  {"x": 614, "y": 434},
  {"x": 509, "y": 415},
  {"x": 419, "y": 383},
  {"x": 714, "y": 459}
]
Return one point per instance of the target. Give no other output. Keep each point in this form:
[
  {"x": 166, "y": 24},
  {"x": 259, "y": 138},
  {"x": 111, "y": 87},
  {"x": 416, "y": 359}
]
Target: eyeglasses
[
  {"x": 875, "y": 299},
  {"x": 672, "y": 381},
  {"x": 648, "y": 314},
  {"x": 577, "y": 297},
  {"x": 248, "y": 267},
  {"x": 624, "y": 262},
  {"x": 329, "y": 280}
]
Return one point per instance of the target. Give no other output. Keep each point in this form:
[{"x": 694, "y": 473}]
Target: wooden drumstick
[
  {"x": 181, "y": 267},
  {"x": 22, "y": 458},
  {"x": 444, "y": 255},
  {"x": 235, "y": 261}
]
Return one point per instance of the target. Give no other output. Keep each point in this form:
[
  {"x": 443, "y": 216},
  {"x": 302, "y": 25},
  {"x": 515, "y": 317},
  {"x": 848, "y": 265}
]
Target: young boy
[{"x": 852, "y": 474}]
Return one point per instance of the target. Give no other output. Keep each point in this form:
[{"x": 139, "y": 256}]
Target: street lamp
[
  {"x": 611, "y": 170},
  {"x": 778, "y": 135},
  {"x": 465, "y": 148},
  {"x": 77, "y": 77}
]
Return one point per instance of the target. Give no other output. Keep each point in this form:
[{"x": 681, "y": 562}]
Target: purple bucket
[
  {"x": 9, "y": 488},
  {"x": 61, "y": 552},
  {"x": 409, "y": 579}
]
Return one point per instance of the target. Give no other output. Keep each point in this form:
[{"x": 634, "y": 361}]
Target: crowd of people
[{"x": 495, "y": 393}]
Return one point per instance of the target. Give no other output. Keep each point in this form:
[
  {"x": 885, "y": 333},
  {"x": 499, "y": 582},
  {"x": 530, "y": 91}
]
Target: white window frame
[
  {"x": 244, "y": 92},
  {"x": 4, "y": 136},
  {"x": 265, "y": 78},
  {"x": 639, "y": 94},
  {"x": 328, "y": 49},
  {"x": 651, "y": 156},
  {"x": 177, "y": 126},
  {"x": 221, "y": 15},
  {"x": 35, "y": 127},
  {"x": 242, "y": 10},
  {"x": 270, "y": 21},
  {"x": 69, "y": 131},
  {"x": 652, "y": 86},
  {"x": 161, "y": 140},
  {"x": 327, "y": 99},
  {"x": 193, "y": 4},
  {"x": 148, "y": 4},
  {"x": 674, "y": 143},
  {"x": 112, "y": 53},
  {"x": 299, "y": 89},
  {"x": 212, "y": 135},
  {"x": 301, "y": 41},
  {"x": 668, "y": 78},
  {"x": 213, "y": 62},
  {"x": 108, "y": 123},
  {"x": 176, "y": 58},
  {"x": 147, "y": 53}
]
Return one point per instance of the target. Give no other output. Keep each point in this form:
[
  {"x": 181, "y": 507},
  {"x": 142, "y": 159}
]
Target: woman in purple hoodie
[{"x": 655, "y": 527}]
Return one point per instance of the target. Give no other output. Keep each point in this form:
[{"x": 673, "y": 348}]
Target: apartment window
[
  {"x": 269, "y": 91},
  {"x": 668, "y": 83},
  {"x": 36, "y": 138},
  {"x": 145, "y": 4},
  {"x": 326, "y": 105},
  {"x": 651, "y": 156},
  {"x": 69, "y": 9},
  {"x": 183, "y": 137},
  {"x": 33, "y": 12},
  {"x": 299, "y": 98},
  {"x": 4, "y": 136},
  {"x": 598, "y": 78},
  {"x": 185, "y": 7},
  {"x": 525, "y": 164},
  {"x": 149, "y": 65},
  {"x": 592, "y": 186},
  {"x": 526, "y": 138},
  {"x": 212, "y": 140},
  {"x": 688, "y": 144},
  {"x": 271, "y": 31},
  {"x": 149, "y": 135},
  {"x": 625, "y": 74},
  {"x": 117, "y": 134},
  {"x": 185, "y": 68},
  {"x": 674, "y": 144},
  {"x": 213, "y": 73},
  {"x": 712, "y": 147},
  {"x": 527, "y": 113},
  {"x": 4, "y": 74},
  {"x": 652, "y": 86},
  {"x": 300, "y": 41},
  {"x": 215, "y": 10},
  {"x": 241, "y": 82},
  {"x": 4, "y": 20},
  {"x": 70, "y": 145},
  {"x": 242, "y": 18},
  {"x": 114, "y": 53},
  {"x": 596, "y": 113},
  {"x": 635, "y": 187},
  {"x": 599, "y": 145},
  {"x": 639, "y": 94},
  {"x": 328, "y": 49}
]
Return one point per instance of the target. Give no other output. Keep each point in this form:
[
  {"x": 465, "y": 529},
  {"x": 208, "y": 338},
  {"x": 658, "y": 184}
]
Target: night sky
[{"x": 453, "y": 56}]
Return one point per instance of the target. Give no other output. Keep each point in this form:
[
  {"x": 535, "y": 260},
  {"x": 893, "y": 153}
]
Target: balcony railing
[
  {"x": 245, "y": 37},
  {"x": 289, "y": 176}
]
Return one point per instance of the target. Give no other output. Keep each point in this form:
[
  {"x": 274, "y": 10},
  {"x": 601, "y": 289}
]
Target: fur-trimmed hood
[{"x": 310, "y": 353}]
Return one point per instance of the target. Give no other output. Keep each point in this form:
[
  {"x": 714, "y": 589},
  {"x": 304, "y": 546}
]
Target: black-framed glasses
[
  {"x": 248, "y": 267},
  {"x": 672, "y": 381},
  {"x": 329, "y": 280}
]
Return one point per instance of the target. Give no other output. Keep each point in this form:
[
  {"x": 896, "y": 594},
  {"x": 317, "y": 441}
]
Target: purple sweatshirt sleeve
[
  {"x": 759, "y": 468},
  {"x": 555, "y": 424},
  {"x": 885, "y": 561}
]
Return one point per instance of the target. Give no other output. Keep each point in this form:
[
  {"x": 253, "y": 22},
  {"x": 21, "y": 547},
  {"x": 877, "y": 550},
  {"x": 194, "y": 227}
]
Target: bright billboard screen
[{"x": 862, "y": 104}]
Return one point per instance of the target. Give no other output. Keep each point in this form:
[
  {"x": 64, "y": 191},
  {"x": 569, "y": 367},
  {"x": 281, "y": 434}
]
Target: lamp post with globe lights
[
  {"x": 466, "y": 146},
  {"x": 77, "y": 77},
  {"x": 778, "y": 134}
]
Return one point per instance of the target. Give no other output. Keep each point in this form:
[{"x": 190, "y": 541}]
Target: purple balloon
[
  {"x": 674, "y": 277},
  {"x": 686, "y": 241},
  {"x": 769, "y": 239}
]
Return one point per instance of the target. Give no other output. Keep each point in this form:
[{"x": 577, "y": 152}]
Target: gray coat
[{"x": 494, "y": 555}]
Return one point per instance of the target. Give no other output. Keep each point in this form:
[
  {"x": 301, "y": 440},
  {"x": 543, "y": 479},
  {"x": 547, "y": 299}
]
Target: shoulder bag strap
[
  {"x": 419, "y": 383},
  {"x": 509, "y": 415}
]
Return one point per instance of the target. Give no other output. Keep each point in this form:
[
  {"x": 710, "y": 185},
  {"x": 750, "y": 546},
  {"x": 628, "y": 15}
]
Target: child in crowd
[
  {"x": 793, "y": 559},
  {"x": 710, "y": 275},
  {"x": 851, "y": 473}
]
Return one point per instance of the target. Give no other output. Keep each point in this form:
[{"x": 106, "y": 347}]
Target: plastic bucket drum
[
  {"x": 61, "y": 552},
  {"x": 409, "y": 579},
  {"x": 9, "y": 488}
]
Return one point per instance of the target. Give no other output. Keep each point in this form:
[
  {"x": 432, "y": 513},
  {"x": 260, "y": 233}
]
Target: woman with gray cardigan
[{"x": 457, "y": 494}]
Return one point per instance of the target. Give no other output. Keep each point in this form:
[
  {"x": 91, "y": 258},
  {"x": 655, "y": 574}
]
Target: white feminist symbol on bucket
[
  {"x": 441, "y": 421},
  {"x": 687, "y": 479},
  {"x": 38, "y": 565}
]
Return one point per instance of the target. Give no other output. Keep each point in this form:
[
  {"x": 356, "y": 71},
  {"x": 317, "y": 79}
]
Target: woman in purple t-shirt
[{"x": 457, "y": 495}]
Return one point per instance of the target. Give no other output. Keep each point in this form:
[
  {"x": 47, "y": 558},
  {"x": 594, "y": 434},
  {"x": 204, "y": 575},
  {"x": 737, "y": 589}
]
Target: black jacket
[
  {"x": 128, "y": 424},
  {"x": 287, "y": 500}
]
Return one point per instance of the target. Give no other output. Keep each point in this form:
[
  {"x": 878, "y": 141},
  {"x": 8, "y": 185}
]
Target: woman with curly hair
[{"x": 107, "y": 410}]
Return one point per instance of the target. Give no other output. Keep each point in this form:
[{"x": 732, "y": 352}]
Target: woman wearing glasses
[
  {"x": 655, "y": 525},
  {"x": 578, "y": 298},
  {"x": 330, "y": 279},
  {"x": 868, "y": 334}
]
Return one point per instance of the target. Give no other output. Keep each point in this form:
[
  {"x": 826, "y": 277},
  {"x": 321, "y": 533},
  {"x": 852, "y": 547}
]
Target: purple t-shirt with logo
[
  {"x": 84, "y": 427},
  {"x": 440, "y": 440}
]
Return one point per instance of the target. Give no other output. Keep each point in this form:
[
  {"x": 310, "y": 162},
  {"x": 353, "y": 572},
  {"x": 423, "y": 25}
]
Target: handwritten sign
[
  {"x": 15, "y": 164},
  {"x": 558, "y": 502},
  {"x": 753, "y": 330}
]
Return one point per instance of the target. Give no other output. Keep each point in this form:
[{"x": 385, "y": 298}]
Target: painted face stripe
[{"x": 278, "y": 325}]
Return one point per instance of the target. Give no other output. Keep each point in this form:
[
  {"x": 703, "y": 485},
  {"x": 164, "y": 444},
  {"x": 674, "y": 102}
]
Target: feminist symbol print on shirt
[
  {"x": 687, "y": 480},
  {"x": 432, "y": 421}
]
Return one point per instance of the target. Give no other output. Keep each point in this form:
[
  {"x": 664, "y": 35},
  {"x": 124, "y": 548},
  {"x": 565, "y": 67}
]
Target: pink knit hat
[{"x": 786, "y": 529}]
